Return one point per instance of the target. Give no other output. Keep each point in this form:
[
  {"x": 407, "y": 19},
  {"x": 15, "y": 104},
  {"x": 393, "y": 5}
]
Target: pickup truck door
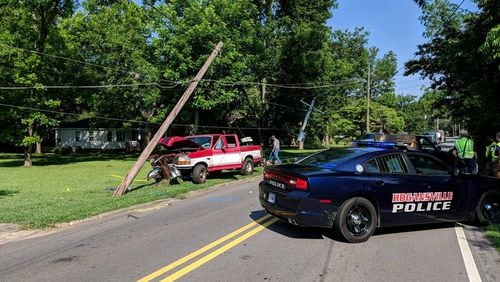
[{"x": 226, "y": 153}]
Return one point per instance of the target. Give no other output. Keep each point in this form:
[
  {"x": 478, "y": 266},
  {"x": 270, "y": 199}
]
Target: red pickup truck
[{"x": 196, "y": 156}]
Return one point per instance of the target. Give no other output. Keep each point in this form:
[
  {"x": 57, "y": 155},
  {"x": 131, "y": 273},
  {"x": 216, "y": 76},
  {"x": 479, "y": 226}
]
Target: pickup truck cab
[{"x": 196, "y": 156}]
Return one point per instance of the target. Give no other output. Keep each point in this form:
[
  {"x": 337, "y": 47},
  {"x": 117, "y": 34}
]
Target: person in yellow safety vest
[
  {"x": 464, "y": 151},
  {"x": 492, "y": 157}
]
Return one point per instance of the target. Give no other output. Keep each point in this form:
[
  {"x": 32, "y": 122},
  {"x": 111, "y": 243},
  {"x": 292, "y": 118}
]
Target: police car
[{"x": 355, "y": 190}]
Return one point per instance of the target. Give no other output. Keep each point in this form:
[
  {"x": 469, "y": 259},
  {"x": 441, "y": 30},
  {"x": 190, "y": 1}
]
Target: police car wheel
[
  {"x": 488, "y": 210},
  {"x": 356, "y": 220}
]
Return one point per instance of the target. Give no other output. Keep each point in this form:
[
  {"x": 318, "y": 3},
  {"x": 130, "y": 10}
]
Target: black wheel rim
[
  {"x": 358, "y": 220},
  {"x": 491, "y": 209}
]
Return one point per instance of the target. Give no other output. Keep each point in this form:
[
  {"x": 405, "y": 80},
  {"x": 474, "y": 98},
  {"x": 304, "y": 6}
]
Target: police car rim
[
  {"x": 491, "y": 209},
  {"x": 358, "y": 220}
]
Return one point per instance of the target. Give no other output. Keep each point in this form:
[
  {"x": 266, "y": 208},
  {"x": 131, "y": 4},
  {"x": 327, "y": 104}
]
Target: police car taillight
[
  {"x": 291, "y": 181},
  {"x": 300, "y": 184}
]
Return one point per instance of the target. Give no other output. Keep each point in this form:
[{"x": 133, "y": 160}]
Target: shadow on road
[{"x": 292, "y": 231}]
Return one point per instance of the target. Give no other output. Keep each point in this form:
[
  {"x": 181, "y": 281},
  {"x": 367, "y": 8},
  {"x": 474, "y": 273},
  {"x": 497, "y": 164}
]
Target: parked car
[
  {"x": 195, "y": 156},
  {"x": 355, "y": 190}
]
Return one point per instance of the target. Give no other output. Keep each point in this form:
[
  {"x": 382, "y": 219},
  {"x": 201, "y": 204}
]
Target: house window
[
  {"x": 120, "y": 136},
  {"x": 109, "y": 136},
  {"x": 92, "y": 136},
  {"x": 77, "y": 135}
]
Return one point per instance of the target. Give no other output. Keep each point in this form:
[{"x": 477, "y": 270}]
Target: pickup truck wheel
[
  {"x": 199, "y": 174},
  {"x": 247, "y": 168},
  {"x": 356, "y": 219}
]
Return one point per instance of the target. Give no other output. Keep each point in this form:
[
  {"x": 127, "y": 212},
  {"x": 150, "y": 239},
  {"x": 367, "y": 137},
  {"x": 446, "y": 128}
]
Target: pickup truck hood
[{"x": 178, "y": 142}]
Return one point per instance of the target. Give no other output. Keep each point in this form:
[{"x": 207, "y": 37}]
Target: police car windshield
[{"x": 331, "y": 158}]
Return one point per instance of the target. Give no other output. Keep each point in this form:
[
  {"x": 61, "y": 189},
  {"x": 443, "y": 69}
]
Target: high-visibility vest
[
  {"x": 492, "y": 151},
  {"x": 465, "y": 148}
]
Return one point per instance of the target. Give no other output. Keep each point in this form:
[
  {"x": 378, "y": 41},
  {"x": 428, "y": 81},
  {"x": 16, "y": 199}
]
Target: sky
[{"x": 393, "y": 26}]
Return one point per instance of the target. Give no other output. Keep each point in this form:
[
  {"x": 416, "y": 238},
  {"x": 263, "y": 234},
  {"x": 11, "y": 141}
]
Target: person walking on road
[
  {"x": 464, "y": 151},
  {"x": 275, "y": 151},
  {"x": 492, "y": 157}
]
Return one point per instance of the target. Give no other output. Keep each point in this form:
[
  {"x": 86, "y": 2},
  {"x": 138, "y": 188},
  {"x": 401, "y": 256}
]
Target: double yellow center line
[{"x": 201, "y": 261}]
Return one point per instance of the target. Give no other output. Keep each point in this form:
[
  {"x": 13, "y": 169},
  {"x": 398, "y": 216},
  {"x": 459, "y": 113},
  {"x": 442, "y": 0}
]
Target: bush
[{"x": 312, "y": 142}]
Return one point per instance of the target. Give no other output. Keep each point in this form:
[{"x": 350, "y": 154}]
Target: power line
[
  {"x": 57, "y": 57},
  {"x": 137, "y": 121},
  {"x": 223, "y": 83}
]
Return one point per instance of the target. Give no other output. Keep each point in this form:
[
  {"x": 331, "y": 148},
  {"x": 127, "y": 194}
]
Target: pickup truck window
[
  {"x": 219, "y": 144},
  {"x": 231, "y": 141}
]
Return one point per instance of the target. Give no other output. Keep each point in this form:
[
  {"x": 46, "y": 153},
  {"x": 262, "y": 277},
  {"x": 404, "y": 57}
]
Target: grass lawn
[
  {"x": 493, "y": 233},
  {"x": 63, "y": 188}
]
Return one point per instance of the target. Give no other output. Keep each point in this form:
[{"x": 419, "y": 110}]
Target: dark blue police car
[{"x": 357, "y": 189}]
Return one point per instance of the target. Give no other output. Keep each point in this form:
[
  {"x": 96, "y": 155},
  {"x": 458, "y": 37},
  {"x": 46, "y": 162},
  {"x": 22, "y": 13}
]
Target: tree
[
  {"x": 461, "y": 60},
  {"x": 28, "y": 30}
]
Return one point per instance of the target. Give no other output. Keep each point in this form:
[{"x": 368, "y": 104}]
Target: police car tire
[
  {"x": 247, "y": 167},
  {"x": 199, "y": 174},
  {"x": 341, "y": 224},
  {"x": 481, "y": 218}
]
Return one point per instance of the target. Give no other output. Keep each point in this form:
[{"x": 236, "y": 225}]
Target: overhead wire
[{"x": 135, "y": 121}]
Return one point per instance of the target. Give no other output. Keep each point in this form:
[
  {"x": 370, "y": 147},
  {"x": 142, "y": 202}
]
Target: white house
[{"x": 98, "y": 138}]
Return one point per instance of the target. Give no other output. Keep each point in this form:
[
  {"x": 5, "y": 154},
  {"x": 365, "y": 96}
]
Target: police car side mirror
[{"x": 438, "y": 148}]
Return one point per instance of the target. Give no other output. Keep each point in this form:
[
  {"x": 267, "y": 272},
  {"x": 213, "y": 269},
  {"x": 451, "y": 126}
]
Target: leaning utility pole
[
  {"x": 302, "y": 132},
  {"x": 163, "y": 128}
]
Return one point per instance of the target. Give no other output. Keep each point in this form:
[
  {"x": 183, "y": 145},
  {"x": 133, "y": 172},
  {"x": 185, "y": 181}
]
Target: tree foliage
[
  {"x": 277, "y": 56},
  {"x": 462, "y": 60}
]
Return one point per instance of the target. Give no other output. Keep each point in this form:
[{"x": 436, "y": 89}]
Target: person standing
[
  {"x": 492, "y": 157},
  {"x": 464, "y": 151},
  {"x": 275, "y": 150}
]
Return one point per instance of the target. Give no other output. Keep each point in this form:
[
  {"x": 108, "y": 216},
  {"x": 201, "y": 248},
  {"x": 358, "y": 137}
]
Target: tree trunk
[
  {"x": 263, "y": 119},
  {"x": 196, "y": 120},
  {"x": 27, "y": 156},
  {"x": 28, "y": 148},
  {"x": 39, "y": 146}
]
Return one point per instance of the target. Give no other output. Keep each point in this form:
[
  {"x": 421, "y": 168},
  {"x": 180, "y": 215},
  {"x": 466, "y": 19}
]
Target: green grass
[
  {"x": 63, "y": 188},
  {"x": 493, "y": 233}
]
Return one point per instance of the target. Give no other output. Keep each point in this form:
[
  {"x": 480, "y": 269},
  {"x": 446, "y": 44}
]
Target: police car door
[
  {"x": 438, "y": 198},
  {"x": 389, "y": 182}
]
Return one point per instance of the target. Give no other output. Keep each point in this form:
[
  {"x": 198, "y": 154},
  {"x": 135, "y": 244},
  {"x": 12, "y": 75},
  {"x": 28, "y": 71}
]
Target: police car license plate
[{"x": 271, "y": 198}]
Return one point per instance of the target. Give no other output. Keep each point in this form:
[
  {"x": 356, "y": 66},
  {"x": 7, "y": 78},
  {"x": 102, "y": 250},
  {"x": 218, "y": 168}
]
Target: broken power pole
[{"x": 129, "y": 178}]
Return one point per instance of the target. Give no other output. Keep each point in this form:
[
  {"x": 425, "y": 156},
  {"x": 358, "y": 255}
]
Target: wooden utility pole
[
  {"x": 368, "y": 102},
  {"x": 164, "y": 126},
  {"x": 302, "y": 131}
]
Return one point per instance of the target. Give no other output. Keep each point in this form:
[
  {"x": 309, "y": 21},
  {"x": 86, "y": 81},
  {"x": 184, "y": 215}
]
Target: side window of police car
[
  {"x": 426, "y": 165},
  {"x": 393, "y": 164}
]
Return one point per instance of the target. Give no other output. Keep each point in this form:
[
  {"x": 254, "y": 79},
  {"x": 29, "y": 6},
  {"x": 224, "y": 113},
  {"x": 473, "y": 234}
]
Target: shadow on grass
[
  {"x": 53, "y": 159},
  {"x": 4, "y": 193}
]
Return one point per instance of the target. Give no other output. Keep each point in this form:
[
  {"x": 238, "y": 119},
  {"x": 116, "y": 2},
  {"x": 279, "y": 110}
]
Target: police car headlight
[{"x": 183, "y": 160}]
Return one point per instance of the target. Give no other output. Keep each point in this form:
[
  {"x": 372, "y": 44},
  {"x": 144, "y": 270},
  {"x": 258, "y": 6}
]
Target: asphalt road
[{"x": 224, "y": 235}]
